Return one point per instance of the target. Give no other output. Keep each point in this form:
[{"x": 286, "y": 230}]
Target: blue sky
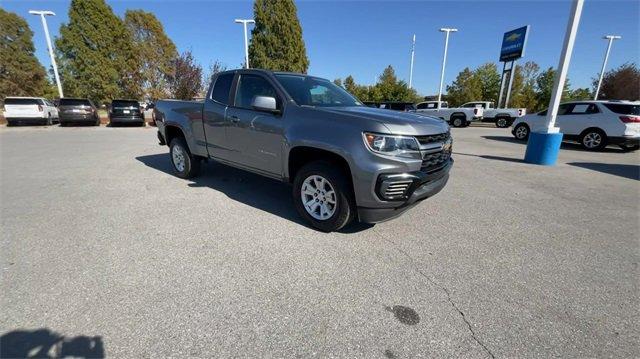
[{"x": 362, "y": 37}]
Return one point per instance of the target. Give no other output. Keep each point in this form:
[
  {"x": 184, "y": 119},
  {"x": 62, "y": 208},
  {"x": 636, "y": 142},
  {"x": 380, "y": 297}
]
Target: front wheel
[
  {"x": 458, "y": 121},
  {"x": 521, "y": 132},
  {"x": 322, "y": 195},
  {"x": 184, "y": 163},
  {"x": 629, "y": 148}
]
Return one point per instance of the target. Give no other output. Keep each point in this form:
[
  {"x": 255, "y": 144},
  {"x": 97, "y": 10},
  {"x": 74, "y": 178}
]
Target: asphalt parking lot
[{"x": 103, "y": 246}]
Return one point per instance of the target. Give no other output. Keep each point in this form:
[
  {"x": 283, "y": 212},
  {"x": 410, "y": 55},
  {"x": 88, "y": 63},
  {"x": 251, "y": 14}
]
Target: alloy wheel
[{"x": 318, "y": 197}]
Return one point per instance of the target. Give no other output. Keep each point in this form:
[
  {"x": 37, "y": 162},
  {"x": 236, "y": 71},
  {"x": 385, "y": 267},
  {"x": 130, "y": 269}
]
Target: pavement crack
[{"x": 444, "y": 289}]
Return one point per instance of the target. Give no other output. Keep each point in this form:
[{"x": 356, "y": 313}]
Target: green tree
[
  {"x": 96, "y": 54},
  {"x": 389, "y": 88},
  {"x": 581, "y": 94},
  {"x": 20, "y": 72},
  {"x": 185, "y": 82},
  {"x": 489, "y": 79},
  {"x": 544, "y": 84},
  {"x": 338, "y": 82},
  {"x": 276, "y": 40},
  {"x": 157, "y": 52},
  {"x": 526, "y": 95},
  {"x": 465, "y": 88},
  {"x": 622, "y": 83}
]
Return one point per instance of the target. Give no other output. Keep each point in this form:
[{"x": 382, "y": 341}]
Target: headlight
[{"x": 402, "y": 146}]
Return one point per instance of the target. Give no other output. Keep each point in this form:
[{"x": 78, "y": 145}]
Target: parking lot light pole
[
  {"x": 413, "y": 50},
  {"x": 42, "y": 14},
  {"x": 604, "y": 64},
  {"x": 543, "y": 147},
  {"x": 444, "y": 60},
  {"x": 244, "y": 23}
]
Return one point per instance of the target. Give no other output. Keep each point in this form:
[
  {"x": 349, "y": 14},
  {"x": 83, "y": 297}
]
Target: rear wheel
[
  {"x": 502, "y": 122},
  {"x": 521, "y": 132},
  {"x": 593, "y": 139},
  {"x": 184, "y": 163},
  {"x": 49, "y": 121},
  {"x": 458, "y": 121},
  {"x": 322, "y": 195}
]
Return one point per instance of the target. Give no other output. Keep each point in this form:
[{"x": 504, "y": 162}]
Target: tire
[
  {"x": 631, "y": 148},
  {"x": 343, "y": 209},
  {"x": 593, "y": 139},
  {"x": 184, "y": 163},
  {"x": 502, "y": 122},
  {"x": 48, "y": 121},
  {"x": 10, "y": 123},
  {"x": 521, "y": 132},
  {"x": 458, "y": 121}
]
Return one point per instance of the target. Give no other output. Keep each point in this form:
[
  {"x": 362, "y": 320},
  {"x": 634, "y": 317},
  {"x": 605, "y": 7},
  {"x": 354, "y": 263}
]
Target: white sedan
[{"x": 594, "y": 124}]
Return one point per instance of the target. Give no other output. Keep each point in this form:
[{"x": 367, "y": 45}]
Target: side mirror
[{"x": 265, "y": 103}]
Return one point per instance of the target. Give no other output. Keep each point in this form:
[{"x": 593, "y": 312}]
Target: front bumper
[{"x": 423, "y": 185}]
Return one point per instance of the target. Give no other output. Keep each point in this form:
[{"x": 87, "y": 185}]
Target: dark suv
[
  {"x": 125, "y": 112},
  {"x": 77, "y": 110}
]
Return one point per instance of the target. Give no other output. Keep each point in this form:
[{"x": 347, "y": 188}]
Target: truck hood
[{"x": 398, "y": 123}]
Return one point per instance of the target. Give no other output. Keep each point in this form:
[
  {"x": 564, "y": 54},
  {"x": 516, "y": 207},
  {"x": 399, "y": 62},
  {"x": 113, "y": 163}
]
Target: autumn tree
[
  {"x": 622, "y": 83},
  {"x": 157, "y": 52},
  {"x": 276, "y": 39},
  {"x": 185, "y": 82},
  {"x": 20, "y": 72},
  {"x": 96, "y": 54},
  {"x": 489, "y": 79}
]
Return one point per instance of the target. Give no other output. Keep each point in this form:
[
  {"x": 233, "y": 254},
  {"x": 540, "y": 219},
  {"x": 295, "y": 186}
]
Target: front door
[{"x": 255, "y": 137}]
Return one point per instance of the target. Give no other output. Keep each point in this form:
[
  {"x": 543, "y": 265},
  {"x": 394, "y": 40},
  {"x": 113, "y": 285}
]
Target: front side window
[
  {"x": 222, "y": 87},
  {"x": 313, "y": 91},
  {"x": 251, "y": 86}
]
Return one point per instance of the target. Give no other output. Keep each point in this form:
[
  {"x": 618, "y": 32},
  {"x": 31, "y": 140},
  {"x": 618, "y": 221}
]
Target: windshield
[{"x": 313, "y": 91}]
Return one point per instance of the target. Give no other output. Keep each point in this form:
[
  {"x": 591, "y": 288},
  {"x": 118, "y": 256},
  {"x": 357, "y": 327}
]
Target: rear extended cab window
[
  {"x": 222, "y": 88},
  {"x": 74, "y": 102}
]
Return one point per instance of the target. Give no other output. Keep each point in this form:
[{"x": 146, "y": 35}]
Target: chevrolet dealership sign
[{"x": 513, "y": 44}]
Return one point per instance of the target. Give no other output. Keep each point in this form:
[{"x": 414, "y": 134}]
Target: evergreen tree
[
  {"x": 389, "y": 88},
  {"x": 338, "y": 82},
  {"x": 276, "y": 40},
  {"x": 465, "y": 88},
  {"x": 96, "y": 54},
  {"x": 20, "y": 72},
  {"x": 622, "y": 83},
  {"x": 580, "y": 94},
  {"x": 157, "y": 52},
  {"x": 489, "y": 79},
  {"x": 186, "y": 80}
]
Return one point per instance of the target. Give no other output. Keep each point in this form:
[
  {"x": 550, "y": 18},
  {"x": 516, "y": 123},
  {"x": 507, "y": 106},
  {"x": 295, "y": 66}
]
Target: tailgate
[{"x": 22, "y": 110}]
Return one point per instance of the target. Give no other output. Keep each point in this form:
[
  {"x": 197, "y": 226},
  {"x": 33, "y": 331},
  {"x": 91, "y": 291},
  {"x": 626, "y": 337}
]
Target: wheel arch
[{"x": 301, "y": 155}]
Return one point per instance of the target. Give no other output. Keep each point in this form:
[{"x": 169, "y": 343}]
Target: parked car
[
  {"x": 594, "y": 124},
  {"x": 502, "y": 117},
  {"x": 456, "y": 117},
  {"x": 392, "y": 105},
  {"x": 32, "y": 110},
  {"x": 78, "y": 110},
  {"x": 345, "y": 160},
  {"x": 125, "y": 112}
]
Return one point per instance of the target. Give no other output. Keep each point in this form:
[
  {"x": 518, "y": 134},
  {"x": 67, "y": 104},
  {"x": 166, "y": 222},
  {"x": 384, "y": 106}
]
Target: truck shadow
[
  {"x": 44, "y": 343},
  {"x": 251, "y": 189}
]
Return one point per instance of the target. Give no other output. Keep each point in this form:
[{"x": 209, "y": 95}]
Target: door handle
[{"x": 235, "y": 119}]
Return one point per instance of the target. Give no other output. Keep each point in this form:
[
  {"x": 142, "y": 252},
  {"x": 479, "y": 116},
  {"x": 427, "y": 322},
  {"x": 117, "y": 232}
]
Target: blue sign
[{"x": 513, "y": 44}]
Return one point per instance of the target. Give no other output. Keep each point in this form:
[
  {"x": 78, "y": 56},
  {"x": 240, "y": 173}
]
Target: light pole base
[{"x": 543, "y": 148}]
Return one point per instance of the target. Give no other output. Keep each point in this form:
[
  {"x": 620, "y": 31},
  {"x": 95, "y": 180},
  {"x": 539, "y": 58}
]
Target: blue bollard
[{"x": 543, "y": 148}]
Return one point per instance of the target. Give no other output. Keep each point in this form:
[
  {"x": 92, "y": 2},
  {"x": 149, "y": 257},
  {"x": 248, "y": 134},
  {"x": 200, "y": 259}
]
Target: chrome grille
[{"x": 428, "y": 139}]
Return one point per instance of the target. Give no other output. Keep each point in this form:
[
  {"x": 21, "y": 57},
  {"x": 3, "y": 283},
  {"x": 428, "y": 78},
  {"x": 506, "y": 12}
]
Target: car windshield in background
[
  {"x": 118, "y": 103},
  {"x": 623, "y": 109},
  {"x": 22, "y": 101},
  {"x": 313, "y": 91},
  {"x": 74, "y": 102}
]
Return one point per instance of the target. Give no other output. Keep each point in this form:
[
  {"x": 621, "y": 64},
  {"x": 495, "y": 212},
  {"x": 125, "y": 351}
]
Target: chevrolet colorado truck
[
  {"x": 345, "y": 160},
  {"x": 456, "y": 116},
  {"x": 502, "y": 117}
]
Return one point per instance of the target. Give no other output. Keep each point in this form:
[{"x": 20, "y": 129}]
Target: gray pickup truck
[{"x": 345, "y": 160}]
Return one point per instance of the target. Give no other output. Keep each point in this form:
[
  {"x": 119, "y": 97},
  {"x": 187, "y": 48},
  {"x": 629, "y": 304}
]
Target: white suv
[
  {"x": 594, "y": 124},
  {"x": 29, "y": 109}
]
